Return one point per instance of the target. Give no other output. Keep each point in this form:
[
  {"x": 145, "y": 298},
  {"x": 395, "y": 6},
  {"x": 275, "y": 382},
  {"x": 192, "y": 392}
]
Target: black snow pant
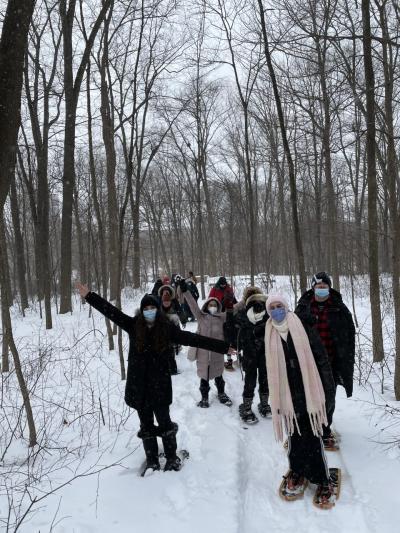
[
  {"x": 329, "y": 415},
  {"x": 146, "y": 417},
  {"x": 205, "y": 386},
  {"x": 250, "y": 379},
  {"x": 306, "y": 453}
]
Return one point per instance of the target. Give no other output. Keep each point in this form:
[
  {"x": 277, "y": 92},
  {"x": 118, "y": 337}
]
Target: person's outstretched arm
[
  {"x": 194, "y": 307},
  {"x": 199, "y": 341},
  {"x": 108, "y": 310}
]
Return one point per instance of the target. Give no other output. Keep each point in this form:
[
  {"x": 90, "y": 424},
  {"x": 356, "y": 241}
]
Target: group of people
[{"x": 299, "y": 357}]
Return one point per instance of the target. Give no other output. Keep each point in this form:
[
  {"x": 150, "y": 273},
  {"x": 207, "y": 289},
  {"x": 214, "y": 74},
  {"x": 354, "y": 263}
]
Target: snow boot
[
  {"x": 328, "y": 493},
  {"x": 246, "y": 413},
  {"x": 293, "y": 486},
  {"x": 222, "y": 396},
  {"x": 203, "y": 402},
  {"x": 263, "y": 407},
  {"x": 331, "y": 443},
  {"x": 150, "y": 446},
  {"x": 169, "y": 443},
  {"x": 224, "y": 399}
]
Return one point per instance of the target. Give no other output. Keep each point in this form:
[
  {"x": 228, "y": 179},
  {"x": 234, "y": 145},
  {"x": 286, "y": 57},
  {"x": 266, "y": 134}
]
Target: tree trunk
[
  {"x": 292, "y": 176},
  {"x": 377, "y": 340},
  {"x": 19, "y": 247}
]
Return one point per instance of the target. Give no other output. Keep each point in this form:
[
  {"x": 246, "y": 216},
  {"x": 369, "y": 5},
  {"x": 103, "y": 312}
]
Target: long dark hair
[{"x": 159, "y": 333}]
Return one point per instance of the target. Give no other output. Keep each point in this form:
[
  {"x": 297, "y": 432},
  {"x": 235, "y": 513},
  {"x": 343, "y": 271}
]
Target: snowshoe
[
  {"x": 229, "y": 365},
  {"x": 203, "y": 403},
  {"x": 292, "y": 486},
  {"x": 224, "y": 399},
  {"x": 246, "y": 414},
  {"x": 327, "y": 494},
  {"x": 331, "y": 443}
]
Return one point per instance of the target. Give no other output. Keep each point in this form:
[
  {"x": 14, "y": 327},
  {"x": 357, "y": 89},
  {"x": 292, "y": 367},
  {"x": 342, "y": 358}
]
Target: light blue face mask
[
  {"x": 321, "y": 293},
  {"x": 278, "y": 314},
  {"x": 150, "y": 314}
]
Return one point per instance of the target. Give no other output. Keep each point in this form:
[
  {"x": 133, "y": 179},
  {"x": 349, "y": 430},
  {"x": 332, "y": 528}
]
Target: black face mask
[{"x": 258, "y": 307}]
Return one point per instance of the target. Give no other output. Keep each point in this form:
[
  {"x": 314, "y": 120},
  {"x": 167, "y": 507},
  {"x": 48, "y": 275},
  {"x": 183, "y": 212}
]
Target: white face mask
[
  {"x": 255, "y": 317},
  {"x": 212, "y": 309}
]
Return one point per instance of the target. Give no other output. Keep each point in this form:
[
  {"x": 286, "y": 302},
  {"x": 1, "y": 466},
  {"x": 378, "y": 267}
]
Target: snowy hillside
[{"x": 89, "y": 453}]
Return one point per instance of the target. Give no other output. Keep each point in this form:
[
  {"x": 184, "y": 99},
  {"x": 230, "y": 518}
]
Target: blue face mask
[
  {"x": 278, "y": 314},
  {"x": 150, "y": 314},
  {"x": 321, "y": 293}
]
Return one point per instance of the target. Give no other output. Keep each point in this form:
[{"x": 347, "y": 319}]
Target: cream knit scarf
[{"x": 280, "y": 397}]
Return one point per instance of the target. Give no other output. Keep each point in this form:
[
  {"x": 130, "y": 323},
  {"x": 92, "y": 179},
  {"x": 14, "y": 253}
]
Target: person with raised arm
[{"x": 148, "y": 385}]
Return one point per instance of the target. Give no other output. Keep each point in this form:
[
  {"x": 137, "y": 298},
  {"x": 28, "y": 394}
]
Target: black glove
[{"x": 183, "y": 285}]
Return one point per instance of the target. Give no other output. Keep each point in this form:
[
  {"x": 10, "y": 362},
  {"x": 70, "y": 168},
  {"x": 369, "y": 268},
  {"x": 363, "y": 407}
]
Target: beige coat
[{"x": 209, "y": 364}]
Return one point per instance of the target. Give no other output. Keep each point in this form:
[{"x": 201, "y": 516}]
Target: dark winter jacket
[
  {"x": 294, "y": 373},
  {"x": 148, "y": 377},
  {"x": 342, "y": 333},
  {"x": 249, "y": 338}
]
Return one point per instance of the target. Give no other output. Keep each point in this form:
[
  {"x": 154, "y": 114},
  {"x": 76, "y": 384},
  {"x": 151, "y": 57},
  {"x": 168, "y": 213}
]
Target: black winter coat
[
  {"x": 342, "y": 332},
  {"x": 294, "y": 373},
  {"x": 249, "y": 338},
  {"x": 148, "y": 378}
]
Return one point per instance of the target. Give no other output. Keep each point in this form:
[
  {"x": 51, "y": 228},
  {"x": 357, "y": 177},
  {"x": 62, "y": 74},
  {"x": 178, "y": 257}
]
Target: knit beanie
[
  {"x": 149, "y": 299},
  {"x": 321, "y": 277},
  {"x": 274, "y": 298}
]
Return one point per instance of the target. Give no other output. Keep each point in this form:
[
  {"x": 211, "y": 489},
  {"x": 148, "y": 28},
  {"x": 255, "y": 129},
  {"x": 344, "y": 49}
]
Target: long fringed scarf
[{"x": 279, "y": 390}]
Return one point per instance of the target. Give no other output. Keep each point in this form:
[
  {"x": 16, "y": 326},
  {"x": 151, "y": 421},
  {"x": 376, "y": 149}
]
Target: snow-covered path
[{"x": 230, "y": 482}]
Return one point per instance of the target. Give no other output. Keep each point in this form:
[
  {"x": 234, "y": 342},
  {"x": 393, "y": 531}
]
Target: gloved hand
[{"x": 183, "y": 285}]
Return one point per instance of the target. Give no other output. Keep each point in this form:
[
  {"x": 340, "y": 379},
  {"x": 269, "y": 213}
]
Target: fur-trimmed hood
[
  {"x": 169, "y": 288},
  {"x": 255, "y": 298}
]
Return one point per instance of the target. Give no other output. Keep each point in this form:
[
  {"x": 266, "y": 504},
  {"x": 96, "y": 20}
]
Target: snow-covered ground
[{"x": 89, "y": 453}]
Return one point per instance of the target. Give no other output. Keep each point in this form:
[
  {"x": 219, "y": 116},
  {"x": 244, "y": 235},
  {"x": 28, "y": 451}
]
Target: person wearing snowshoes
[
  {"x": 172, "y": 309},
  {"x": 333, "y": 321},
  {"x": 210, "y": 365},
  {"x": 148, "y": 383},
  {"x": 223, "y": 292},
  {"x": 301, "y": 390},
  {"x": 249, "y": 318}
]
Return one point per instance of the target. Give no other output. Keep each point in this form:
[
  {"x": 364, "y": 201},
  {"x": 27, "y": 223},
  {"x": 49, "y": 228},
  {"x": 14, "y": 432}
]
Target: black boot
[
  {"x": 222, "y": 396},
  {"x": 246, "y": 413},
  {"x": 150, "y": 446},
  {"x": 204, "y": 389},
  {"x": 263, "y": 407},
  {"x": 169, "y": 442},
  {"x": 203, "y": 402}
]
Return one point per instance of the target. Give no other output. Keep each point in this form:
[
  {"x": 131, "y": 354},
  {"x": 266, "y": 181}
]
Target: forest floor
[{"x": 86, "y": 468}]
